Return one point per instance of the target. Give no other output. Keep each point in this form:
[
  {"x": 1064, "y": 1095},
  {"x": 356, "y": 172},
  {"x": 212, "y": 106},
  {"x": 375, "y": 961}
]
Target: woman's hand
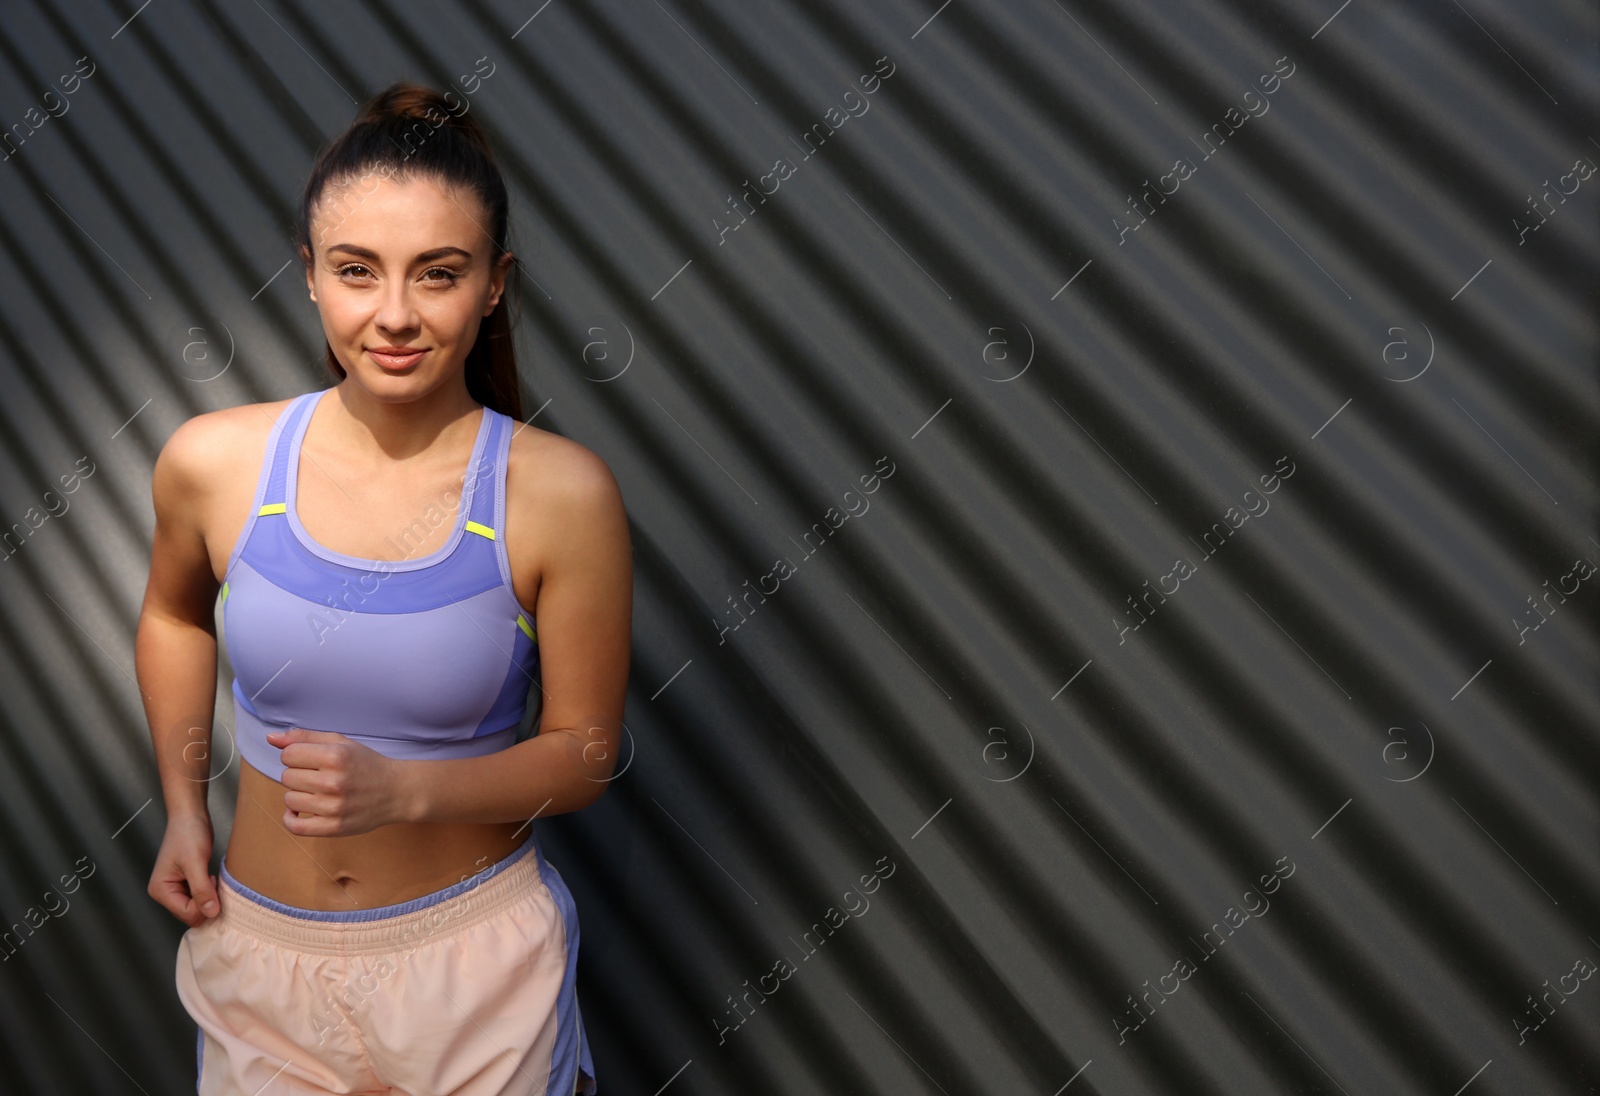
[
  {"x": 337, "y": 787},
  {"x": 182, "y": 881}
]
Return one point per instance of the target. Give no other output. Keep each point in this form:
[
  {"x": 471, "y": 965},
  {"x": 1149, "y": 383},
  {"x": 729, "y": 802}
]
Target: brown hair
[{"x": 408, "y": 130}]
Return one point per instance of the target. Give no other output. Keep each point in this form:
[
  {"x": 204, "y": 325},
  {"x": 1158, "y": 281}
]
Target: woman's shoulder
[
  {"x": 561, "y": 497},
  {"x": 549, "y": 468},
  {"x": 213, "y": 442}
]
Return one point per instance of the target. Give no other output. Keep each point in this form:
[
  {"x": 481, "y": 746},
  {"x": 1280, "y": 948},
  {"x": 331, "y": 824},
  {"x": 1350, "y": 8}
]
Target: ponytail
[{"x": 408, "y": 130}]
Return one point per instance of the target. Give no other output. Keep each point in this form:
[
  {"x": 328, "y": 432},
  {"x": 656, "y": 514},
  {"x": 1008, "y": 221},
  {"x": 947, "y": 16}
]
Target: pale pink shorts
[{"x": 468, "y": 991}]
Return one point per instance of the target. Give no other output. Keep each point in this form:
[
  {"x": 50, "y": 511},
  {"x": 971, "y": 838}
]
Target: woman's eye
[{"x": 438, "y": 275}]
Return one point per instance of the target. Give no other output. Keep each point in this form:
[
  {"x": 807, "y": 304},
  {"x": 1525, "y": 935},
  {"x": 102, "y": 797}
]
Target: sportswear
[
  {"x": 419, "y": 658},
  {"x": 471, "y": 990}
]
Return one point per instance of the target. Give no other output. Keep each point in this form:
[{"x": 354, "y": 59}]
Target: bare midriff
[{"x": 393, "y": 863}]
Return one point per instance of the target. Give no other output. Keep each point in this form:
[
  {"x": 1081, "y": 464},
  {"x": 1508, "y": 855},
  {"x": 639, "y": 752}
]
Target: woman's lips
[{"x": 396, "y": 361}]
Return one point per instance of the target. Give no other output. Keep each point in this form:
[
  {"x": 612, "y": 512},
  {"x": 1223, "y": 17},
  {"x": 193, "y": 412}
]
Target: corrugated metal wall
[{"x": 1210, "y": 674}]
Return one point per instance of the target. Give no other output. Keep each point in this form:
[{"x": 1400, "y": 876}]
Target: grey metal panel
[{"x": 1080, "y": 360}]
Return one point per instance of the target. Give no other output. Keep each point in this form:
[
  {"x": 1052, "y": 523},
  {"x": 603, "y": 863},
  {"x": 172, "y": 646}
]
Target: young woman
[{"x": 400, "y": 562}]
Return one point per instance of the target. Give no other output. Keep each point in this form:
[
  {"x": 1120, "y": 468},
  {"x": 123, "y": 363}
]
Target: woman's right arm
[{"x": 175, "y": 661}]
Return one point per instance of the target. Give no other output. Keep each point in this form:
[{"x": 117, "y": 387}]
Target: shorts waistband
[{"x": 384, "y": 928}]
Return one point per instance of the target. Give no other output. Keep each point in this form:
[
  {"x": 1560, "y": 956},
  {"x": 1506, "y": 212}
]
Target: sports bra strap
[
  {"x": 481, "y": 516},
  {"x": 278, "y": 477}
]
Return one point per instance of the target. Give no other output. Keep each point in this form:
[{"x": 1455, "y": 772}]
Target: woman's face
[{"x": 402, "y": 266}]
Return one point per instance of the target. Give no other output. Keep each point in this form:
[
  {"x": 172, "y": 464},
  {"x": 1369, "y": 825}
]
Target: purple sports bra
[{"x": 431, "y": 657}]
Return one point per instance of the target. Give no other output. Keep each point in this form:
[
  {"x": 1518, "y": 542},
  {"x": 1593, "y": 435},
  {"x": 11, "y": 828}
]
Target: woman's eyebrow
[{"x": 424, "y": 257}]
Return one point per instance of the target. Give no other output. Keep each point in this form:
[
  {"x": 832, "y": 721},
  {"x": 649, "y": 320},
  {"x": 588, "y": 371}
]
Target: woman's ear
[
  {"x": 305, "y": 260},
  {"x": 497, "y": 280}
]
